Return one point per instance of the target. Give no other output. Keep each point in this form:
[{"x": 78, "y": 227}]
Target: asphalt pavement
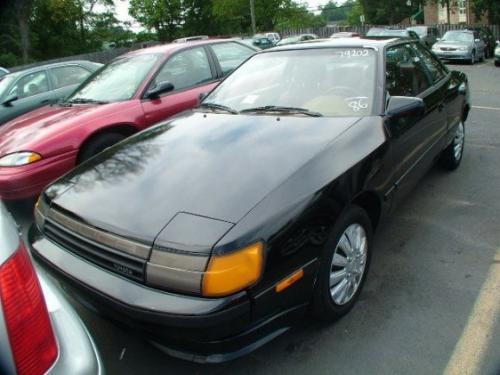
[{"x": 431, "y": 304}]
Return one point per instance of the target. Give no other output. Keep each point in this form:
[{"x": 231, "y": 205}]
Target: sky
[{"x": 121, "y": 7}]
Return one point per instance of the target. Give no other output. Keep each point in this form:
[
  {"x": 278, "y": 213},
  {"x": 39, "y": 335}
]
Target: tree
[
  {"x": 164, "y": 16},
  {"x": 333, "y": 12},
  {"x": 492, "y": 7}
]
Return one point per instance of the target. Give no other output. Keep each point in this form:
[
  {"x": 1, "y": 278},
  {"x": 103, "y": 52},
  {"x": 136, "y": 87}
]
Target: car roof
[
  {"x": 341, "y": 43},
  {"x": 52, "y": 65},
  {"x": 170, "y": 48}
]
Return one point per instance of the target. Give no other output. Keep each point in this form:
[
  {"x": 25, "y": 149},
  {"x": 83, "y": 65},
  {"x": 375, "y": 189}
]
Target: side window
[
  {"x": 404, "y": 74},
  {"x": 436, "y": 70},
  {"x": 31, "y": 84},
  {"x": 230, "y": 55},
  {"x": 68, "y": 75},
  {"x": 185, "y": 69}
]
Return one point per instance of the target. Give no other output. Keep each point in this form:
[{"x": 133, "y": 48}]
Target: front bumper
[
  {"x": 29, "y": 180},
  {"x": 453, "y": 55},
  {"x": 192, "y": 328}
]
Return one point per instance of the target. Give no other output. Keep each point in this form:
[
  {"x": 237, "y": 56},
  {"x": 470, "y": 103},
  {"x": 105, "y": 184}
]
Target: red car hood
[{"x": 28, "y": 132}]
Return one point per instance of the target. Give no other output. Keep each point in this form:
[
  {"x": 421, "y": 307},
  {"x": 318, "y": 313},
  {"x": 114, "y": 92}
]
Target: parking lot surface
[{"x": 431, "y": 303}]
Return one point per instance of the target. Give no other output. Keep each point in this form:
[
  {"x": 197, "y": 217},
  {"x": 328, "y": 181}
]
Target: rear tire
[
  {"x": 452, "y": 155},
  {"x": 99, "y": 144},
  {"x": 344, "y": 264}
]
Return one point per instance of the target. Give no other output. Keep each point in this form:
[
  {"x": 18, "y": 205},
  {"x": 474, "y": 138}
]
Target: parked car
[
  {"x": 191, "y": 38},
  {"x": 345, "y": 34},
  {"x": 273, "y": 37},
  {"x": 460, "y": 45},
  {"x": 3, "y": 72},
  {"x": 24, "y": 91},
  {"x": 497, "y": 54},
  {"x": 488, "y": 38},
  {"x": 428, "y": 34},
  {"x": 261, "y": 41},
  {"x": 210, "y": 234},
  {"x": 297, "y": 39},
  {"x": 386, "y": 33},
  {"x": 131, "y": 93},
  {"x": 40, "y": 333}
]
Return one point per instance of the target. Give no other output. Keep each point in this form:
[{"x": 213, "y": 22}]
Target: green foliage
[
  {"x": 354, "y": 17},
  {"x": 333, "y": 12}
]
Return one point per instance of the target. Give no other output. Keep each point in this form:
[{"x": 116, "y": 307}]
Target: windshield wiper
[
  {"x": 86, "y": 101},
  {"x": 218, "y": 107},
  {"x": 280, "y": 109}
]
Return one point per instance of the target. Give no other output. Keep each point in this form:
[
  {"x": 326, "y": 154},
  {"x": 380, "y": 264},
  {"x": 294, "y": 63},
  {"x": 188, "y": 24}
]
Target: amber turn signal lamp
[
  {"x": 228, "y": 274},
  {"x": 296, "y": 276}
]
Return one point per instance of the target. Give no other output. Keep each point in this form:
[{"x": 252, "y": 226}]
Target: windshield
[
  {"x": 457, "y": 36},
  {"x": 5, "y": 83},
  {"x": 117, "y": 81},
  {"x": 329, "y": 82},
  {"x": 387, "y": 32}
]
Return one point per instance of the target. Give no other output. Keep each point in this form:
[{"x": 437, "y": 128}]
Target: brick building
[{"x": 460, "y": 13}]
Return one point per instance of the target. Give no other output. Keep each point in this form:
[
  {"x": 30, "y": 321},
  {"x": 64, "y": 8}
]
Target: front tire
[
  {"x": 452, "y": 155},
  {"x": 344, "y": 264},
  {"x": 472, "y": 58},
  {"x": 99, "y": 144}
]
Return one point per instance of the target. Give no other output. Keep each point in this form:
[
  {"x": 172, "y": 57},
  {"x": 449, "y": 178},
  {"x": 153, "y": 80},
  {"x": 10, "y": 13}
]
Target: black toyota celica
[{"x": 211, "y": 233}]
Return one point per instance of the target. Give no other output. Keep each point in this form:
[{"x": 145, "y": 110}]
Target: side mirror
[
  {"x": 477, "y": 40},
  {"x": 404, "y": 106},
  {"x": 160, "y": 88},
  {"x": 8, "y": 102}
]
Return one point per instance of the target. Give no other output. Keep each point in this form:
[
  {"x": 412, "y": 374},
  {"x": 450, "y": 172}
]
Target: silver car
[
  {"x": 40, "y": 333},
  {"x": 460, "y": 45}
]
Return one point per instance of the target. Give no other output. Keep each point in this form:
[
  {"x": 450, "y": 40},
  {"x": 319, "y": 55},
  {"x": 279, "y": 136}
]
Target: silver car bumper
[
  {"x": 453, "y": 55},
  {"x": 78, "y": 354}
]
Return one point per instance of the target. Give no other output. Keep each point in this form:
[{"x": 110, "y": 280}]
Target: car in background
[
  {"x": 191, "y": 38},
  {"x": 345, "y": 34},
  {"x": 497, "y": 54},
  {"x": 386, "y": 33},
  {"x": 261, "y": 41},
  {"x": 40, "y": 333},
  {"x": 26, "y": 90},
  {"x": 488, "y": 38},
  {"x": 463, "y": 45},
  {"x": 211, "y": 233},
  {"x": 3, "y": 72},
  {"x": 297, "y": 39},
  {"x": 129, "y": 94},
  {"x": 428, "y": 34},
  {"x": 273, "y": 37}
]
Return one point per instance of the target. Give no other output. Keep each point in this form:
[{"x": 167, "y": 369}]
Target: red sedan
[{"x": 129, "y": 94}]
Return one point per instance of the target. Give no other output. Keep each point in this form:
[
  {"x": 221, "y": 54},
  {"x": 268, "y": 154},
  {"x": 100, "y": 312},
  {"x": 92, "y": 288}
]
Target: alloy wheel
[
  {"x": 458, "y": 141},
  {"x": 348, "y": 264}
]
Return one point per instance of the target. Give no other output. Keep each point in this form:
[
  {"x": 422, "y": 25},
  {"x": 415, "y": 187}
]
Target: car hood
[
  {"x": 26, "y": 132},
  {"x": 211, "y": 165}
]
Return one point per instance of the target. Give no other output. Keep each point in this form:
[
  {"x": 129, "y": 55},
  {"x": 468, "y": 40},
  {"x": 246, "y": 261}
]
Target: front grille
[
  {"x": 99, "y": 254},
  {"x": 448, "y": 49}
]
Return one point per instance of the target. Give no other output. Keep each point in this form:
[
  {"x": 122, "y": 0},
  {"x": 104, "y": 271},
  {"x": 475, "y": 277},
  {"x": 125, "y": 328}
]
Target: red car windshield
[{"x": 118, "y": 81}]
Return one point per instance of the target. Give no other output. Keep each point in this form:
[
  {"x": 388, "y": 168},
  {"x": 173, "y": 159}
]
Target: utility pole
[{"x": 252, "y": 13}]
